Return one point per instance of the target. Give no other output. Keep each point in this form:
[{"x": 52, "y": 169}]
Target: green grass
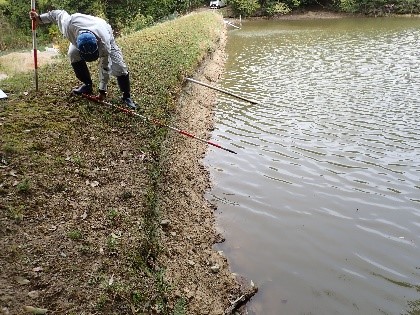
[
  {"x": 39, "y": 126},
  {"x": 75, "y": 235},
  {"x": 24, "y": 186}
]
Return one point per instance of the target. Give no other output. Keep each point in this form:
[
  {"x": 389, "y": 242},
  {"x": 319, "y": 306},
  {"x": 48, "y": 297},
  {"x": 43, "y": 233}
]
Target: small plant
[
  {"x": 24, "y": 186},
  {"x": 102, "y": 300},
  {"x": 137, "y": 298},
  {"x": 75, "y": 235},
  {"x": 77, "y": 160},
  {"x": 179, "y": 308},
  {"x": 111, "y": 242},
  {"x": 9, "y": 148},
  {"x": 95, "y": 280},
  {"x": 16, "y": 213},
  {"x": 112, "y": 214},
  {"x": 59, "y": 161}
]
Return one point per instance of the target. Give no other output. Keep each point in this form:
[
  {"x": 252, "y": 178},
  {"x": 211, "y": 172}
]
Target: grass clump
[
  {"x": 75, "y": 235},
  {"x": 24, "y": 186}
]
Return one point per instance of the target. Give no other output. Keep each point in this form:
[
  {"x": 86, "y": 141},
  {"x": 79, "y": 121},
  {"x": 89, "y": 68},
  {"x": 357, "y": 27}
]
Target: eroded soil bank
[{"x": 194, "y": 267}]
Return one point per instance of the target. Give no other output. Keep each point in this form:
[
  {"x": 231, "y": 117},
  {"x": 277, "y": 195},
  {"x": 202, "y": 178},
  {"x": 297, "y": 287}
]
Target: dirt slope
[{"x": 70, "y": 235}]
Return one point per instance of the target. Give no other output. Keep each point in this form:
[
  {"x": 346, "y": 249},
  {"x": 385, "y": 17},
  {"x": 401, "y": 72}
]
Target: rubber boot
[
  {"x": 82, "y": 73},
  {"x": 124, "y": 84}
]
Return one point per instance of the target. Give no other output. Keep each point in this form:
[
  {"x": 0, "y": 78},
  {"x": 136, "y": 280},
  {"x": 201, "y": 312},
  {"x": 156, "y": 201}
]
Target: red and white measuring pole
[
  {"x": 154, "y": 121},
  {"x": 34, "y": 46}
]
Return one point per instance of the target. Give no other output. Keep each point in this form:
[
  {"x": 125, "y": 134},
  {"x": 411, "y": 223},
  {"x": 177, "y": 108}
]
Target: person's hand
[
  {"x": 34, "y": 16},
  {"x": 102, "y": 95}
]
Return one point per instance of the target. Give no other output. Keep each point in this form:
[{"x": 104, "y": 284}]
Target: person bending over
[{"x": 91, "y": 38}]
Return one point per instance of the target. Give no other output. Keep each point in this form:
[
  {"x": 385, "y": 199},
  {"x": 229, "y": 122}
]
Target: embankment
[{"x": 101, "y": 213}]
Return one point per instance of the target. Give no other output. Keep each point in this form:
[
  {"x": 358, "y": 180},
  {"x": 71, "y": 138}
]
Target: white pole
[{"x": 223, "y": 91}]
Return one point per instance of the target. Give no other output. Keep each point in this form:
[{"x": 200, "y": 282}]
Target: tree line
[
  {"x": 133, "y": 15},
  {"x": 369, "y": 7},
  {"x": 121, "y": 14}
]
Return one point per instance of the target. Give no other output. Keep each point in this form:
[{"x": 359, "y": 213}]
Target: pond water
[{"x": 321, "y": 205}]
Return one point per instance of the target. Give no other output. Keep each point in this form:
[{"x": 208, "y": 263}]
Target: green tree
[
  {"x": 245, "y": 7},
  {"x": 408, "y": 6},
  {"x": 17, "y": 14},
  {"x": 379, "y": 7},
  {"x": 10, "y": 37}
]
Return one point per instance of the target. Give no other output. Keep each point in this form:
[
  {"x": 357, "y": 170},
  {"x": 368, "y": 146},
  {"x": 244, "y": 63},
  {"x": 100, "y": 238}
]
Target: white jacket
[{"x": 71, "y": 25}]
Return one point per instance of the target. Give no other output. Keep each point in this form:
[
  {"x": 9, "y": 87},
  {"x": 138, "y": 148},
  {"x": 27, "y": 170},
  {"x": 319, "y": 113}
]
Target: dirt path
[{"x": 17, "y": 62}]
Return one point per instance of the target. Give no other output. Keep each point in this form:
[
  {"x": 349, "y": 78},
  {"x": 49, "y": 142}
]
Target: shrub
[
  {"x": 407, "y": 6},
  {"x": 378, "y": 7},
  {"x": 11, "y": 38},
  {"x": 245, "y": 7},
  {"x": 277, "y": 8}
]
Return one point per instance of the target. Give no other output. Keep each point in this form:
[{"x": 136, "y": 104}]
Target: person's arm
[
  {"x": 59, "y": 17},
  {"x": 54, "y": 16},
  {"x": 104, "y": 74}
]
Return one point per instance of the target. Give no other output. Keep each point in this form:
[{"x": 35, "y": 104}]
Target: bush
[
  {"x": 277, "y": 8},
  {"x": 12, "y": 38},
  {"x": 379, "y": 7},
  {"x": 407, "y": 7},
  {"x": 244, "y": 7},
  {"x": 347, "y": 6}
]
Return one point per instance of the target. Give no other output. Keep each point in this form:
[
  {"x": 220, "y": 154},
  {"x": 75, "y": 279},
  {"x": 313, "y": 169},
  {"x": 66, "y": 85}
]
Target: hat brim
[{"x": 90, "y": 57}]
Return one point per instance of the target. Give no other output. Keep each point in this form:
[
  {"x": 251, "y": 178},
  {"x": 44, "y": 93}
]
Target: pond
[{"x": 321, "y": 205}]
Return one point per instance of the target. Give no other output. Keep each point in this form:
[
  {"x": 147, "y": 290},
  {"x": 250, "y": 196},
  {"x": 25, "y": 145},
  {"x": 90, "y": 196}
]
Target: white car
[{"x": 217, "y": 4}]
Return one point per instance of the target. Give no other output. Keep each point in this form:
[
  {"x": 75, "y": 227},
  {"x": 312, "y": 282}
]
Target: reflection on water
[{"x": 321, "y": 206}]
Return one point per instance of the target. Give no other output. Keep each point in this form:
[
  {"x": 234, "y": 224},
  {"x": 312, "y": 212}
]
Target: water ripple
[{"x": 328, "y": 167}]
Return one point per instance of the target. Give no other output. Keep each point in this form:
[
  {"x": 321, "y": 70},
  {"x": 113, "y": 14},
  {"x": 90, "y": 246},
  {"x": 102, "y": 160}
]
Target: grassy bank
[{"x": 79, "y": 189}]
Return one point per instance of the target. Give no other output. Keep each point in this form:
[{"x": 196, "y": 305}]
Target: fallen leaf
[
  {"x": 21, "y": 280},
  {"x": 35, "y": 310},
  {"x": 33, "y": 294},
  {"x": 115, "y": 236},
  {"x": 94, "y": 183}
]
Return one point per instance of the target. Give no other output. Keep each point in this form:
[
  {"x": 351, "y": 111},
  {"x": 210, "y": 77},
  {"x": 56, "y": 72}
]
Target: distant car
[{"x": 217, "y": 4}]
